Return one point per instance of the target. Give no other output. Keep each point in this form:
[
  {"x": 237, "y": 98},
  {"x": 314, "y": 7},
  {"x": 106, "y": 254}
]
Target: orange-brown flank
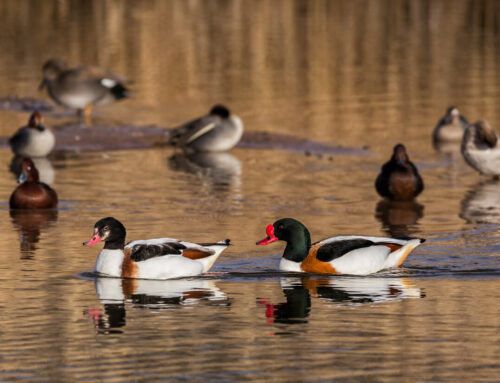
[
  {"x": 196, "y": 254},
  {"x": 129, "y": 267},
  {"x": 312, "y": 265}
]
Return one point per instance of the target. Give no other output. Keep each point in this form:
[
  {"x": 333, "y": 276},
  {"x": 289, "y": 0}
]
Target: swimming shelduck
[
  {"x": 399, "y": 179},
  {"x": 34, "y": 139},
  {"x": 161, "y": 258},
  {"x": 355, "y": 255},
  {"x": 481, "y": 148},
  {"x": 215, "y": 132},
  {"x": 31, "y": 193}
]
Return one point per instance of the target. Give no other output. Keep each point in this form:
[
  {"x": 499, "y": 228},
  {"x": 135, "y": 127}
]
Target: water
[{"x": 356, "y": 74}]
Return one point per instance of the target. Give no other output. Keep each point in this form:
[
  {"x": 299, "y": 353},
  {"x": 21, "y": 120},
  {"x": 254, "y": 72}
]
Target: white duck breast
[
  {"x": 481, "y": 148},
  {"x": 32, "y": 142}
]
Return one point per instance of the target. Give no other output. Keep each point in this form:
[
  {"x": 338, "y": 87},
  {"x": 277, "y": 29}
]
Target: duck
[
  {"x": 481, "y": 148},
  {"x": 31, "y": 193},
  {"x": 159, "y": 258},
  {"x": 352, "y": 254},
  {"x": 399, "y": 179},
  {"x": 34, "y": 139},
  {"x": 218, "y": 131},
  {"x": 450, "y": 128},
  {"x": 81, "y": 87}
]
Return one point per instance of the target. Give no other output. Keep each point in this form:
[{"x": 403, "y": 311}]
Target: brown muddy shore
[{"x": 76, "y": 136}]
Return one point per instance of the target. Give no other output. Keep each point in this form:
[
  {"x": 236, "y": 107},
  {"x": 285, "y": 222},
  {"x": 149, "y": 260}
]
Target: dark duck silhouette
[{"x": 399, "y": 179}]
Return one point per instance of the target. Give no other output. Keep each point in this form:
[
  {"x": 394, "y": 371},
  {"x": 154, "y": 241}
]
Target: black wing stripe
[
  {"x": 333, "y": 250},
  {"x": 145, "y": 252}
]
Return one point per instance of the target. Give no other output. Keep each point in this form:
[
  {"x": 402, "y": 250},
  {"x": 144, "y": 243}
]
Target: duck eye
[
  {"x": 281, "y": 227},
  {"x": 28, "y": 168}
]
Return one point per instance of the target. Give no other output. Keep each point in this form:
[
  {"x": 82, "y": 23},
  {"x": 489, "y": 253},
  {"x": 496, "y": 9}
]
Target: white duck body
[
  {"x": 33, "y": 140},
  {"x": 481, "y": 149},
  {"x": 110, "y": 262},
  {"x": 217, "y": 131},
  {"x": 364, "y": 260}
]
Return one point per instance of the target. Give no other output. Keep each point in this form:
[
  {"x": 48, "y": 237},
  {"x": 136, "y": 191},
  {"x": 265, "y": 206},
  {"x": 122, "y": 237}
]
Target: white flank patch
[{"x": 108, "y": 83}]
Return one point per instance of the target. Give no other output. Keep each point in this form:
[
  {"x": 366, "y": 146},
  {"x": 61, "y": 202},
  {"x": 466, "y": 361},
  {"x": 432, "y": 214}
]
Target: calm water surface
[{"x": 357, "y": 74}]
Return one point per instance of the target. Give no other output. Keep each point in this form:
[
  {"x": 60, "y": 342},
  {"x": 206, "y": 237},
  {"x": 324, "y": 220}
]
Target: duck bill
[
  {"x": 92, "y": 241},
  {"x": 22, "y": 177},
  {"x": 270, "y": 236}
]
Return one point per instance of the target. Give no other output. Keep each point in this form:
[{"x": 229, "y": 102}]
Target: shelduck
[
  {"x": 160, "y": 258},
  {"x": 215, "y": 132},
  {"x": 355, "y": 255}
]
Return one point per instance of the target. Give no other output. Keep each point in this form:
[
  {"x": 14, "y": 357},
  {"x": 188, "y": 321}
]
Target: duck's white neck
[{"x": 109, "y": 262}]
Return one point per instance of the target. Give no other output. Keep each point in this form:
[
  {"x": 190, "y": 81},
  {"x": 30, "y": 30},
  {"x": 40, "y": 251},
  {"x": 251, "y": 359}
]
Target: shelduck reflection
[
  {"x": 481, "y": 204},
  {"x": 342, "y": 290},
  {"x": 119, "y": 295},
  {"x": 217, "y": 170}
]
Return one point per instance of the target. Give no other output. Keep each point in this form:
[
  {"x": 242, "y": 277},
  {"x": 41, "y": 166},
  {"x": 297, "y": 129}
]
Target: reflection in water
[
  {"x": 220, "y": 171},
  {"x": 30, "y": 223},
  {"x": 116, "y": 293},
  {"x": 449, "y": 149},
  {"x": 482, "y": 203},
  {"x": 45, "y": 169},
  {"x": 351, "y": 290},
  {"x": 399, "y": 218}
]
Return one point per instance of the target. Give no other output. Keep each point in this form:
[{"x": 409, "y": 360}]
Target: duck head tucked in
[
  {"x": 34, "y": 139},
  {"x": 31, "y": 193},
  {"x": 481, "y": 148},
  {"x": 399, "y": 179},
  {"x": 356, "y": 255},
  {"x": 217, "y": 131}
]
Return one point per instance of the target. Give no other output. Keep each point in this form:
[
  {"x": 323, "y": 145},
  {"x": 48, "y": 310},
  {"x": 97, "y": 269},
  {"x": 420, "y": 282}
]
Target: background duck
[
  {"x": 481, "y": 148},
  {"x": 399, "y": 179},
  {"x": 355, "y": 255},
  {"x": 450, "y": 128},
  {"x": 31, "y": 193},
  {"x": 215, "y": 132},
  {"x": 81, "y": 87},
  {"x": 34, "y": 139},
  {"x": 160, "y": 258}
]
